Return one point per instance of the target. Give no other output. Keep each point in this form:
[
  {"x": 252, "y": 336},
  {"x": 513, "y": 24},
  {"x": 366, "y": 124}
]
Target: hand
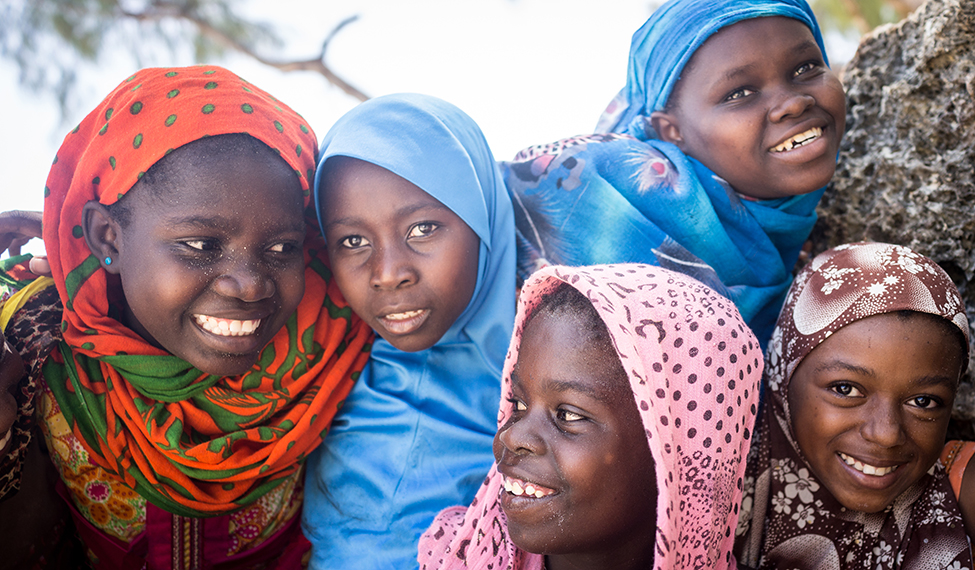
[
  {"x": 17, "y": 227},
  {"x": 11, "y": 371}
]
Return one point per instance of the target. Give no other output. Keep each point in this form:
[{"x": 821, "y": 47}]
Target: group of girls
[{"x": 253, "y": 352}]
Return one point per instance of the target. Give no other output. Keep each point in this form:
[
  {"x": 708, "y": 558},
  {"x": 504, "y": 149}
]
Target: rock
[{"x": 906, "y": 170}]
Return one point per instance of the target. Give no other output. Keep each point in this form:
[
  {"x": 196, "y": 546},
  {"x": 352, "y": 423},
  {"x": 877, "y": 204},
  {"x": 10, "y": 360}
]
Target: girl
[
  {"x": 710, "y": 161},
  {"x": 866, "y": 358},
  {"x": 203, "y": 350},
  {"x": 629, "y": 391},
  {"x": 421, "y": 236}
]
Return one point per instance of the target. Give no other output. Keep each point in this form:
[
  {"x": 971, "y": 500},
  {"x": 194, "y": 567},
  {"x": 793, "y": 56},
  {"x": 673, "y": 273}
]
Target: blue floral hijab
[
  {"x": 415, "y": 434},
  {"x": 623, "y": 196}
]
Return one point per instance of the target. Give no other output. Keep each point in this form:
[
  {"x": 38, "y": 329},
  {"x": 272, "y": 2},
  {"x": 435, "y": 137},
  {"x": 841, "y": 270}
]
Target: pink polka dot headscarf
[{"x": 694, "y": 367}]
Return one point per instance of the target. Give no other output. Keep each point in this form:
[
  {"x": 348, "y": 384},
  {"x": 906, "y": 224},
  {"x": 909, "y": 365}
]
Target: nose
[
  {"x": 883, "y": 424},
  {"x": 245, "y": 278},
  {"x": 790, "y": 103},
  {"x": 520, "y": 436},
  {"x": 392, "y": 268}
]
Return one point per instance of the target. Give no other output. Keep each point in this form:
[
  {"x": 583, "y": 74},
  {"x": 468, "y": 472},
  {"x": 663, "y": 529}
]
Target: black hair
[{"x": 161, "y": 175}]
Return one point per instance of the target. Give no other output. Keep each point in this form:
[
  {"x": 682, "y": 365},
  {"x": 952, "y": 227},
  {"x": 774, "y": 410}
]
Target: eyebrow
[
  {"x": 404, "y": 211},
  {"x": 222, "y": 223},
  {"x": 736, "y": 72},
  {"x": 920, "y": 382}
]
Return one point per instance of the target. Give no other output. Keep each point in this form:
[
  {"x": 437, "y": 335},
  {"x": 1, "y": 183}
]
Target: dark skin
[
  {"x": 575, "y": 436},
  {"x": 17, "y": 227}
]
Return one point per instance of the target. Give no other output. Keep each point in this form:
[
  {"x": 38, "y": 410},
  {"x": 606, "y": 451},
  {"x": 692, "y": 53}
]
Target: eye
[
  {"x": 518, "y": 405},
  {"x": 284, "y": 247},
  {"x": 924, "y": 402},
  {"x": 567, "y": 416},
  {"x": 805, "y": 68},
  {"x": 740, "y": 93},
  {"x": 353, "y": 242},
  {"x": 846, "y": 389},
  {"x": 201, "y": 244},
  {"x": 423, "y": 229}
]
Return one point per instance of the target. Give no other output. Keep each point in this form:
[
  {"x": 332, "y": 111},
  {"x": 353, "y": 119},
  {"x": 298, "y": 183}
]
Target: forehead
[
  {"x": 557, "y": 353},
  {"x": 353, "y": 184},
  {"x": 239, "y": 179}
]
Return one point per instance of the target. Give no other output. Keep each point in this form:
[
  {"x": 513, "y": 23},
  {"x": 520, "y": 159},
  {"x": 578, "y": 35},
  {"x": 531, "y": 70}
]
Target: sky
[{"x": 528, "y": 71}]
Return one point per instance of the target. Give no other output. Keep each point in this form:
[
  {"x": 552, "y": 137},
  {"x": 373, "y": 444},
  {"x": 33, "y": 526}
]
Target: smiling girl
[
  {"x": 421, "y": 237},
  {"x": 709, "y": 162},
  {"x": 862, "y": 373},
  {"x": 202, "y": 351},
  {"x": 630, "y": 392}
]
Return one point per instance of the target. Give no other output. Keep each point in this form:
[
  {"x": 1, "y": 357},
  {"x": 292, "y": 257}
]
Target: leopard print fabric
[{"x": 33, "y": 332}]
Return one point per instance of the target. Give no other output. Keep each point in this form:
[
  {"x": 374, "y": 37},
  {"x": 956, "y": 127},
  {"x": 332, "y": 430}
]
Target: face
[
  {"x": 406, "y": 263},
  {"x": 758, "y": 106},
  {"x": 211, "y": 264},
  {"x": 579, "y": 476},
  {"x": 874, "y": 401}
]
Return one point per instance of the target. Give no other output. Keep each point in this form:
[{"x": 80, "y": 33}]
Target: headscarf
[
  {"x": 923, "y": 527},
  {"x": 694, "y": 368},
  {"x": 655, "y": 204},
  {"x": 416, "y": 432},
  {"x": 191, "y": 443}
]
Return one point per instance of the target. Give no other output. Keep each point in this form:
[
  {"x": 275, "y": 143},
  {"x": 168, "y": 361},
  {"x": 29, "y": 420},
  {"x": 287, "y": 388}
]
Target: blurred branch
[{"x": 162, "y": 9}]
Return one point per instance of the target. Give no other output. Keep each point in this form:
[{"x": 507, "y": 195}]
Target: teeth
[
  {"x": 800, "y": 139},
  {"x": 523, "y": 489},
  {"x": 404, "y": 316},
  {"x": 6, "y": 438},
  {"x": 867, "y": 469},
  {"x": 227, "y": 327}
]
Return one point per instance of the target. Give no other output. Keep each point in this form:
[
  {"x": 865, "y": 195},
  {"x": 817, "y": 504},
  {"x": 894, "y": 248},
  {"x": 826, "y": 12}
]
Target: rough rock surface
[{"x": 906, "y": 171}]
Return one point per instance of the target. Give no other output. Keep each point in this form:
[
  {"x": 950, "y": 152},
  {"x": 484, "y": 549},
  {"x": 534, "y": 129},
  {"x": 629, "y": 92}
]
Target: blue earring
[{"x": 108, "y": 261}]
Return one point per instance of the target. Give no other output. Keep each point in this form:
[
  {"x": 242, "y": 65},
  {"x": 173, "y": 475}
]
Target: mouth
[
  {"x": 521, "y": 488},
  {"x": 404, "y": 322},
  {"x": 799, "y": 140},
  {"x": 227, "y": 327},
  {"x": 867, "y": 469}
]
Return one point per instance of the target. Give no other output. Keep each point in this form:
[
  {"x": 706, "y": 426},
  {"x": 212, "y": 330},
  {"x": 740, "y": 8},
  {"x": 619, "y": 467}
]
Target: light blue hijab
[
  {"x": 415, "y": 434},
  {"x": 621, "y": 195}
]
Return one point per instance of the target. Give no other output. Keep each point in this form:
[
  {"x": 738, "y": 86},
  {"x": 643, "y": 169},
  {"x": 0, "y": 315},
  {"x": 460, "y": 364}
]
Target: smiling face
[
  {"x": 406, "y": 263},
  {"x": 579, "y": 476},
  {"x": 874, "y": 401},
  {"x": 758, "y": 106},
  {"x": 209, "y": 253}
]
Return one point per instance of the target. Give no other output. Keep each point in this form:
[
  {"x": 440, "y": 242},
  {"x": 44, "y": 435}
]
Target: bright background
[{"x": 528, "y": 71}]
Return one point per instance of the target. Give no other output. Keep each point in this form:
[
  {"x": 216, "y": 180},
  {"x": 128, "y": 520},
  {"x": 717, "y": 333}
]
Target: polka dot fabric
[
  {"x": 789, "y": 519},
  {"x": 694, "y": 368}
]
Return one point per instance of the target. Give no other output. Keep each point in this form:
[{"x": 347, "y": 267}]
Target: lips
[
  {"x": 522, "y": 488},
  {"x": 227, "y": 327},
  {"x": 867, "y": 469},
  {"x": 798, "y": 140},
  {"x": 404, "y": 322}
]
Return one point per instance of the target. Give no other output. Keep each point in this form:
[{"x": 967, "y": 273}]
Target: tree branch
[{"x": 167, "y": 10}]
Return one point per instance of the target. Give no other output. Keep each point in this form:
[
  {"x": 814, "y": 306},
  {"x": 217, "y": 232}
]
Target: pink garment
[{"x": 694, "y": 367}]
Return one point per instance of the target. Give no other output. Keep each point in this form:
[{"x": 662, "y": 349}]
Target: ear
[
  {"x": 102, "y": 234},
  {"x": 667, "y": 127}
]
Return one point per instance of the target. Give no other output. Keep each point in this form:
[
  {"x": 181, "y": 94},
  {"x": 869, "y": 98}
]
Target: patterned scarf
[
  {"x": 789, "y": 519},
  {"x": 657, "y": 205},
  {"x": 695, "y": 380},
  {"x": 191, "y": 443}
]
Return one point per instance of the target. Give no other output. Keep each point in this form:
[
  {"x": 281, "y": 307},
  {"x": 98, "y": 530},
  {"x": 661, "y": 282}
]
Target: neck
[{"x": 633, "y": 557}]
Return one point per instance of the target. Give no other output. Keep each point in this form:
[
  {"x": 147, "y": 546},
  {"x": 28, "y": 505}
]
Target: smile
[
  {"x": 799, "y": 140},
  {"x": 867, "y": 469},
  {"x": 227, "y": 327},
  {"x": 520, "y": 488},
  {"x": 405, "y": 322}
]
